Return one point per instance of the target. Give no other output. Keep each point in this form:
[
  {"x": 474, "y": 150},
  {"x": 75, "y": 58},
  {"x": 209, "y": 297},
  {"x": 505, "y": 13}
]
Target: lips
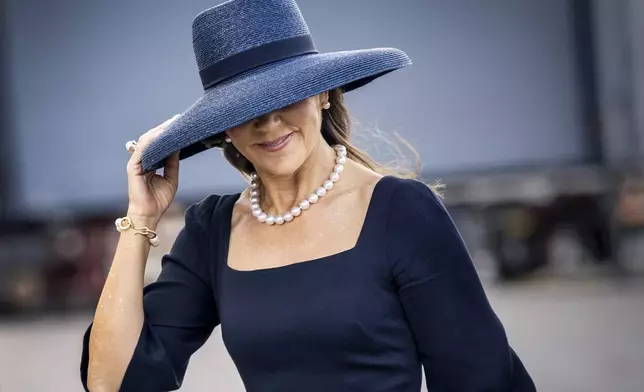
[{"x": 277, "y": 144}]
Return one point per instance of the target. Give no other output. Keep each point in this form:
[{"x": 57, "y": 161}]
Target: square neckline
[{"x": 225, "y": 237}]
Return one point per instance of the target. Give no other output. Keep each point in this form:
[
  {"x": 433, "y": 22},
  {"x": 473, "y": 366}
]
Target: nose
[{"x": 267, "y": 122}]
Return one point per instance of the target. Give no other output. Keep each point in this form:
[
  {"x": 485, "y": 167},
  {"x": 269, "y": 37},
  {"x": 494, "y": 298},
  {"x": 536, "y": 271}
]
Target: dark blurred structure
[
  {"x": 598, "y": 204},
  {"x": 53, "y": 265},
  {"x": 512, "y": 213}
]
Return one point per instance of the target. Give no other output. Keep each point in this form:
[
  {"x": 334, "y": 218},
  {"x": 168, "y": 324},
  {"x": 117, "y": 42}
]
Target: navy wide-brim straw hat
[{"x": 255, "y": 57}]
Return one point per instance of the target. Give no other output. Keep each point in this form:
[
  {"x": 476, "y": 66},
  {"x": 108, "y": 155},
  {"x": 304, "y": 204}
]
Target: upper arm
[
  {"x": 461, "y": 342},
  {"x": 182, "y": 296},
  {"x": 179, "y": 308}
]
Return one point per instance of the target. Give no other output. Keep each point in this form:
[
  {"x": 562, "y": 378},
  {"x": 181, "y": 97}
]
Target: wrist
[
  {"x": 139, "y": 220},
  {"x": 126, "y": 224}
]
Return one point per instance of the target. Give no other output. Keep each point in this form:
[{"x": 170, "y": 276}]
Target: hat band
[{"x": 256, "y": 57}]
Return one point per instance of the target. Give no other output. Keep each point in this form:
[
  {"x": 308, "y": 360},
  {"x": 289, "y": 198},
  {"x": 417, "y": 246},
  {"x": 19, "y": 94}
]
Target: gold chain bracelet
[{"x": 125, "y": 223}]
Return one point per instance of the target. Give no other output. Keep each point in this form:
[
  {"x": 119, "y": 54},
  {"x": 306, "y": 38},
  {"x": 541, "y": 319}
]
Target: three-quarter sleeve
[
  {"x": 460, "y": 340},
  {"x": 180, "y": 311}
]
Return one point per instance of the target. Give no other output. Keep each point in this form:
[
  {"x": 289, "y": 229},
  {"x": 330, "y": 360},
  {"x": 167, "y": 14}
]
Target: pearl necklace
[{"x": 340, "y": 160}]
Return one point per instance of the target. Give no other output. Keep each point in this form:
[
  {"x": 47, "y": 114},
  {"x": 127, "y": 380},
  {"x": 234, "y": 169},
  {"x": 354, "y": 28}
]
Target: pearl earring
[
  {"x": 228, "y": 140},
  {"x": 326, "y": 106}
]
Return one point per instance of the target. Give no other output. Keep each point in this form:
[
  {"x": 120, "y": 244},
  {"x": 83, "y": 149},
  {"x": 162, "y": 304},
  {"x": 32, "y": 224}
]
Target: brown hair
[{"x": 336, "y": 129}]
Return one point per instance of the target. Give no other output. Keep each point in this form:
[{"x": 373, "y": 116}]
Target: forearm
[{"x": 119, "y": 314}]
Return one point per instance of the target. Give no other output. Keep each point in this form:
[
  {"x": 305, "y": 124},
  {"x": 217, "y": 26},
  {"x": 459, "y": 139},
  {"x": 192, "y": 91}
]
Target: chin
[{"x": 284, "y": 167}]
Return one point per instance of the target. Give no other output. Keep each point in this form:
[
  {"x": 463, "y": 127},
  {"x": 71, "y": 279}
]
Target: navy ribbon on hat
[{"x": 256, "y": 57}]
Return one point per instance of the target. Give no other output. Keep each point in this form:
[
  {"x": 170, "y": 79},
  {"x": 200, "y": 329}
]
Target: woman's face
[{"x": 280, "y": 142}]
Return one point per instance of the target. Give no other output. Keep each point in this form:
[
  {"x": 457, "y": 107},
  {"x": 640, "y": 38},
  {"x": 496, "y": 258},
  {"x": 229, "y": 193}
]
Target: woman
[{"x": 324, "y": 274}]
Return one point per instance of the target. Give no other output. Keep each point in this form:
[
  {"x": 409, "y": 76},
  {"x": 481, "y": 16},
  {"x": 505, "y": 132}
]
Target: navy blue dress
[{"x": 362, "y": 320}]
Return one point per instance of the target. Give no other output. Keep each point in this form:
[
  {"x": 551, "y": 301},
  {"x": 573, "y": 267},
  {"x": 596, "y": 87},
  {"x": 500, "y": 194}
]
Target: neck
[{"x": 278, "y": 194}]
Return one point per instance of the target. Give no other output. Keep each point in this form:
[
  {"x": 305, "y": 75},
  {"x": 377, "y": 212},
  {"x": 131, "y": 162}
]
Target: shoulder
[
  {"x": 192, "y": 245},
  {"x": 416, "y": 214},
  {"x": 201, "y": 213},
  {"x": 422, "y": 239},
  {"x": 415, "y": 200}
]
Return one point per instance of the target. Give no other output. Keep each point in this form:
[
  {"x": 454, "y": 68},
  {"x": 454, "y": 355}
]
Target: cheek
[
  {"x": 309, "y": 125},
  {"x": 234, "y": 133},
  {"x": 239, "y": 135}
]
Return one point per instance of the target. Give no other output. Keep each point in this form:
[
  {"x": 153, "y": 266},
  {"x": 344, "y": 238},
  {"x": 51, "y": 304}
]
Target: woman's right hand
[{"x": 151, "y": 194}]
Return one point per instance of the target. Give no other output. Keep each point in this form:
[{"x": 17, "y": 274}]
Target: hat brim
[{"x": 266, "y": 89}]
